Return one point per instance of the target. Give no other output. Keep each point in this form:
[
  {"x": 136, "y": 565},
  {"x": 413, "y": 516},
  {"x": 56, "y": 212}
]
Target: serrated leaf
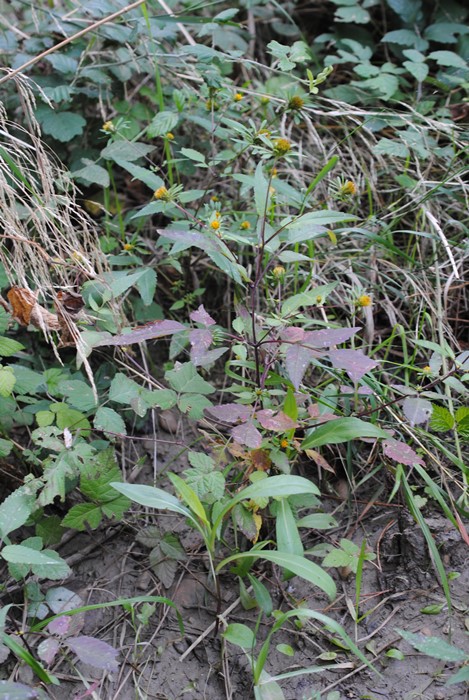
[
  {"x": 194, "y": 405},
  {"x": 162, "y": 123},
  {"x": 448, "y": 58},
  {"x": 392, "y": 147},
  {"x": 92, "y": 174},
  {"x": 204, "y": 479},
  {"x": 83, "y": 515},
  {"x": 441, "y": 419},
  {"x": 45, "y": 564},
  {"x": 15, "y": 510},
  {"x": 62, "y": 126},
  {"x": 184, "y": 378},
  {"x": 107, "y": 420},
  {"x": 128, "y": 151},
  {"x": 7, "y": 381},
  {"x": 9, "y": 347}
]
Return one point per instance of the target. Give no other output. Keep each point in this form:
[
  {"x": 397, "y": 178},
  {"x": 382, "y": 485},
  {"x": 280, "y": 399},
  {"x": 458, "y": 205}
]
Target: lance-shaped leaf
[
  {"x": 201, "y": 316},
  {"x": 401, "y": 452},
  {"x": 354, "y": 362},
  {"x": 342, "y": 430},
  {"x": 270, "y": 420},
  {"x": 155, "y": 329},
  {"x": 247, "y": 434}
]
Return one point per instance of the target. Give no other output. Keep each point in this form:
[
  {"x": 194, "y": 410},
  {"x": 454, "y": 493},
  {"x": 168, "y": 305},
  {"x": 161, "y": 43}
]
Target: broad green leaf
[
  {"x": 299, "y": 566},
  {"x": 448, "y": 58},
  {"x": 318, "y": 521},
  {"x": 126, "y": 150},
  {"x": 189, "y": 496},
  {"x": 45, "y": 564},
  {"x": 148, "y": 177},
  {"x": 62, "y": 126},
  {"x": 392, "y": 147},
  {"x": 152, "y": 497},
  {"x": 92, "y": 173},
  {"x": 109, "y": 421},
  {"x": 162, "y": 123},
  {"x": 315, "y": 297},
  {"x": 341, "y": 430},
  {"x": 435, "y": 647},
  {"x": 441, "y": 420},
  {"x": 9, "y": 347},
  {"x": 184, "y": 378},
  {"x": 240, "y": 635},
  {"x": 79, "y": 394},
  {"x": 207, "y": 482},
  {"x": 6, "y": 447},
  {"x": 288, "y": 538},
  {"x": 7, "y": 381},
  {"x": 193, "y": 155},
  {"x": 15, "y": 510},
  {"x": 83, "y": 516}
]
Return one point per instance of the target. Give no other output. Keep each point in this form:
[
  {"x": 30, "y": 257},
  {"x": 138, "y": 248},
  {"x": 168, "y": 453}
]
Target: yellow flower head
[
  {"x": 265, "y": 100},
  {"x": 296, "y": 102},
  {"x": 264, "y": 132},
  {"x": 245, "y": 225},
  {"x": 278, "y": 271},
  {"x": 161, "y": 193},
  {"x": 348, "y": 189},
  {"x": 274, "y": 172},
  {"x": 284, "y": 443},
  {"x": 109, "y": 127},
  {"x": 214, "y": 198},
  {"x": 170, "y": 136},
  {"x": 281, "y": 147},
  {"x": 215, "y": 225},
  {"x": 128, "y": 246},
  {"x": 238, "y": 97},
  {"x": 364, "y": 300},
  {"x": 211, "y": 104},
  {"x": 427, "y": 369}
]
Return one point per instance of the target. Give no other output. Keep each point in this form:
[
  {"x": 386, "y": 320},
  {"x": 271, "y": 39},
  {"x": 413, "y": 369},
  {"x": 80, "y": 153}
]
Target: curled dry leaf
[
  {"x": 26, "y": 310},
  {"x": 320, "y": 461}
]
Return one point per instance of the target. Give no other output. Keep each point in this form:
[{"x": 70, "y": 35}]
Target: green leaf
[
  {"x": 435, "y": 647},
  {"x": 184, "y": 378},
  {"x": 392, "y": 147},
  {"x": 163, "y": 398},
  {"x": 45, "y": 564},
  {"x": 441, "y": 419},
  {"x": 433, "y": 609},
  {"x": 83, "y": 515},
  {"x": 126, "y": 150},
  {"x": 7, "y": 381},
  {"x": 261, "y": 189},
  {"x": 188, "y": 495},
  {"x": 27, "y": 380},
  {"x": 162, "y": 123},
  {"x": 6, "y": 447},
  {"x": 62, "y": 126},
  {"x": 9, "y": 347},
  {"x": 462, "y": 676},
  {"x": 240, "y": 635},
  {"x": 395, "y": 654},
  {"x": 194, "y": 155},
  {"x": 109, "y": 421},
  {"x": 316, "y": 296},
  {"x": 92, "y": 173},
  {"x": 149, "y": 178},
  {"x": 418, "y": 70},
  {"x": 261, "y": 595},
  {"x": 448, "y": 58},
  {"x": 318, "y": 521},
  {"x": 341, "y": 430},
  {"x": 97, "y": 474},
  {"x": 15, "y": 510},
  {"x": 194, "y": 405},
  {"x": 152, "y": 497},
  {"x": 299, "y": 566},
  {"x": 79, "y": 394},
  {"x": 205, "y": 480},
  {"x": 67, "y": 417},
  {"x": 288, "y": 538}
]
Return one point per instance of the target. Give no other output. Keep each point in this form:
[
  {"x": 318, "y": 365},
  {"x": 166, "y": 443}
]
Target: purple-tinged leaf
[
  {"x": 60, "y": 626},
  {"x": 313, "y": 411},
  {"x": 354, "y": 362},
  {"x": 192, "y": 238},
  {"x": 208, "y": 357},
  {"x": 280, "y": 422},
  {"x": 200, "y": 340},
  {"x": 292, "y": 334},
  {"x": 297, "y": 359},
  {"x": 247, "y": 434},
  {"x": 230, "y": 412},
  {"x": 154, "y": 329},
  {"x": 201, "y": 316},
  {"x": 416, "y": 410},
  {"x": 94, "y": 652},
  {"x": 360, "y": 390},
  {"x": 329, "y": 336},
  {"x": 48, "y": 649},
  {"x": 61, "y": 599},
  {"x": 401, "y": 452}
]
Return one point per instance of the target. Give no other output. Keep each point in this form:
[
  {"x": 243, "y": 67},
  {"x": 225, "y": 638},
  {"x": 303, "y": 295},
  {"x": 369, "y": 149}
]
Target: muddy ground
[{"x": 154, "y": 665}]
